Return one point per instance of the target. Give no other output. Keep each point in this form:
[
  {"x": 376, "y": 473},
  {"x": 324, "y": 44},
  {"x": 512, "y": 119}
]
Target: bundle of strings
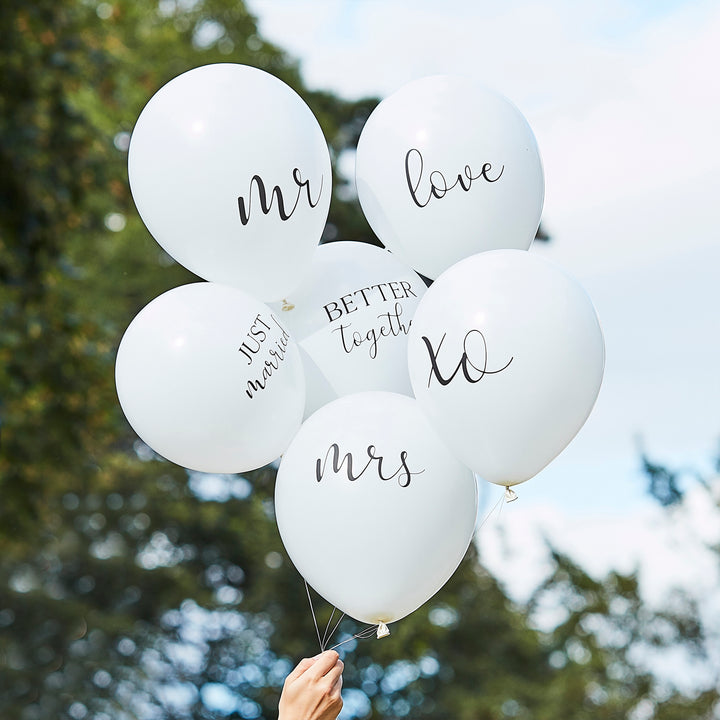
[{"x": 380, "y": 630}]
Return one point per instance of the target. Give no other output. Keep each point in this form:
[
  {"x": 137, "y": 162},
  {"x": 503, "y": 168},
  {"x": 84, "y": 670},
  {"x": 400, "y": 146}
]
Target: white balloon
[
  {"x": 506, "y": 357},
  {"x": 351, "y": 316},
  {"x": 374, "y": 510},
  {"x": 208, "y": 378},
  {"x": 231, "y": 174},
  {"x": 446, "y": 169}
]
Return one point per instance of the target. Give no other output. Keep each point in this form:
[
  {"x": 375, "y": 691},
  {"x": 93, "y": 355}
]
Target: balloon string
[
  {"x": 325, "y": 638},
  {"x": 494, "y": 508},
  {"x": 312, "y": 612},
  {"x": 366, "y": 633},
  {"x": 327, "y": 635},
  {"x": 337, "y": 624},
  {"x": 508, "y": 496}
]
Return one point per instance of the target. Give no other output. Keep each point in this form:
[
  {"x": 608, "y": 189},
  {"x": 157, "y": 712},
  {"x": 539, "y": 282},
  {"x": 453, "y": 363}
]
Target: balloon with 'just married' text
[
  {"x": 210, "y": 379},
  {"x": 373, "y": 508}
]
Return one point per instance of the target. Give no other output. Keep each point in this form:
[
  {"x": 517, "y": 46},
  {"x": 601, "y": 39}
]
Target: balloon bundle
[{"x": 385, "y": 398}]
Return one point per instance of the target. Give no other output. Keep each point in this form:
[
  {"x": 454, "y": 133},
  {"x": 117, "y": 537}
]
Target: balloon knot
[
  {"x": 382, "y": 630},
  {"x": 286, "y": 305},
  {"x": 510, "y": 495}
]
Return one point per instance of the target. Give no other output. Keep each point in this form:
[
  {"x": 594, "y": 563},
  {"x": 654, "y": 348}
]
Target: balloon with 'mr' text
[
  {"x": 231, "y": 174},
  {"x": 446, "y": 169},
  {"x": 210, "y": 379}
]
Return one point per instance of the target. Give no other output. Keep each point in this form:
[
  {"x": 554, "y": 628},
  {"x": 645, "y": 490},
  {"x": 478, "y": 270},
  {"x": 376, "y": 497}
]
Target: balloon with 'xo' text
[
  {"x": 506, "y": 358},
  {"x": 209, "y": 378},
  {"x": 231, "y": 174},
  {"x": 374, "y": 510},
  {"x": 350, "y": 317},
  {"x": 446, "y": 169}
]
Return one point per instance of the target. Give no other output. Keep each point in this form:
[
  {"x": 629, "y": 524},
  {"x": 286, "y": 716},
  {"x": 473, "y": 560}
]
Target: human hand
[{"x": 312, "y": 690}]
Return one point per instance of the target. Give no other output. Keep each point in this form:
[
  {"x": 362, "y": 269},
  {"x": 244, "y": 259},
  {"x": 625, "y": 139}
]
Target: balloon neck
[
  {"x": 382, "y": 630},
  {"x": 286, "y": 305},
  {"x": 510, "y": 495}
]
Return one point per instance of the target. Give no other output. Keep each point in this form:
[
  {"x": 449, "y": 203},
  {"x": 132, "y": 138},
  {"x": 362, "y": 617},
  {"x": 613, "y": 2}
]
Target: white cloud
[
  {"x": 625, "y": 104},
  {"x": 638, "y": 159},
  {"x": 655, "y": 541},
  {"x": 669, "y": 548}
]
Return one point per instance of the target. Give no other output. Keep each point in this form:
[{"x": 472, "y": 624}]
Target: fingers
[
  {"x": 336, "y": 688},
  {"x": 313, "y": 689},
  {"x": 335, "y": 672},
  {"x": 324, "y": 663},
  {"x": 299, "y": 669}
]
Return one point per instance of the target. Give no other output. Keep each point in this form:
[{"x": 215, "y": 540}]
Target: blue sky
[
  {"x": 624, "y": 100},
  {"x": 625, "y": 104}
]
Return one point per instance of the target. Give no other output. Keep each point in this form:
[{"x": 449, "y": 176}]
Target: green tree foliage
[
  {"x": 75, "y": 77},
  {"x": 130, "y": 588}
]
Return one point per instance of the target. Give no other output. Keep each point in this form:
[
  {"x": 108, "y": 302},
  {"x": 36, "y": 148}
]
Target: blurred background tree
[{"x": 130, "y": 588}]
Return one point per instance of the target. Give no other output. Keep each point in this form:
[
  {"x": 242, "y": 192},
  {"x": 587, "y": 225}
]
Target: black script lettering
[
  {"x": 331, "y": 308},
  {"x": 276, "y": 350},
  {"x": 465, "y": 364},
  {"x": 255, "y": 337},
  {"x": 348, "y": 304},
  {"x": 403, "y": 472},
  {"x": 380, "y": 286},
  {"x": 337, "y": 464},
  {"x": 395, "y": 289},
  {"x": 391, "y": 326},
  {"x": 283, "y": 331},
  {"x": 276, "y": 196},
  {"x": 347, "y": 348},
  {"x": 405, "y": 285},
  {"x": 254, "y": 385},
  {"x": 362, "y": 291},
  {"x": 438, "y": 183}
]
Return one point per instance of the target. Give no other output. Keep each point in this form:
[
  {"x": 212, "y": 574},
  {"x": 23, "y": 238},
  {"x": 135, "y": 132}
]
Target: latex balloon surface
[
  {"x": 209, "y": 378},
  {"x": 351, "y": 316},
  {"x": 374, "y": 510},
  {"x": 506, "y": 357},
  {"x": 447, "y": 168},
  {"x": 231, "y": 174}
]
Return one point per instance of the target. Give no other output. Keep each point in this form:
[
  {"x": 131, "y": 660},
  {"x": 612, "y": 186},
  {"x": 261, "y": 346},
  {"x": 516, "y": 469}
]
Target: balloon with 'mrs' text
[
  {"x": 373, "y": 508},
  {"x": 446, "y": 169},
  {"x": 506, "y": 357},
  {"x": 209, "y": 378},
  {"x": 231, "y": 174},
  {"x": 351, "y": 316}
]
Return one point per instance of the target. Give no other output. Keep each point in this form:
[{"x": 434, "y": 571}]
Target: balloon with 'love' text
[
  {"x": 447, "y": 168},
  {"x": 231, "y": 174},
  {"x": 372, "y": 507},
  {"x": 506, "y": 357},
  {"x": 351, "y": 317},
  {"x": 209, "y": 378}
]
